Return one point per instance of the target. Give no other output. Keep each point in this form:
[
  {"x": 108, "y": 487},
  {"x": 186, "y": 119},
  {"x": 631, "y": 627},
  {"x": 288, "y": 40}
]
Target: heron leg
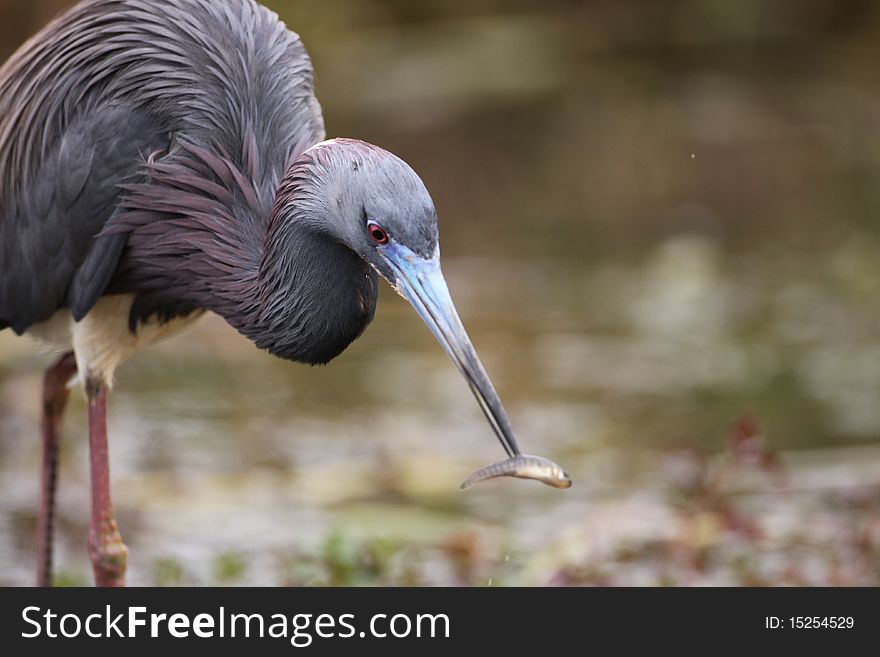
[
  {"x": 55, "y": 396},
  {"x": 107, "y": 551}
]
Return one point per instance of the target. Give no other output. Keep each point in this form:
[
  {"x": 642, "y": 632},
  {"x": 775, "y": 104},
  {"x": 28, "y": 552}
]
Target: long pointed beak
[{"x": 421, "y": 282}]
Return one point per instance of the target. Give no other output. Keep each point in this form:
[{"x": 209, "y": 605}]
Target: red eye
[{"x": 377, "y": 233}]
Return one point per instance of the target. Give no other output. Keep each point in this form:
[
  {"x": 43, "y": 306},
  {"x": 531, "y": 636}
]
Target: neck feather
[
  {"x": 271, "y": 273},
  {"x": 312, "y": 296}
]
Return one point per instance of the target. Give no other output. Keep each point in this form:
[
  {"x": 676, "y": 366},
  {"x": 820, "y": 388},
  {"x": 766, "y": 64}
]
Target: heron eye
[{"x": 377, "y": 233}]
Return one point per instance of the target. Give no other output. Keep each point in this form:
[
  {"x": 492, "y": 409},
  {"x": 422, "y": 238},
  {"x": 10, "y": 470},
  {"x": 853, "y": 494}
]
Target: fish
[{"x": 524, "y": 466}]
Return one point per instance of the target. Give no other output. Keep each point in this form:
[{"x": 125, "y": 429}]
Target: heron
[{"x": 160, "y": 159}]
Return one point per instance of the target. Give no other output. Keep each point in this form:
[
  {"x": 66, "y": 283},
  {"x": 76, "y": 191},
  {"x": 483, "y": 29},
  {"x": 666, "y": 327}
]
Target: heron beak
[{"x": 421, "y": 282}]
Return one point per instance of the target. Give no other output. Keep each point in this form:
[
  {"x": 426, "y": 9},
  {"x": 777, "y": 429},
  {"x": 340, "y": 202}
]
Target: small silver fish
[{"x": 523, "y": 466}]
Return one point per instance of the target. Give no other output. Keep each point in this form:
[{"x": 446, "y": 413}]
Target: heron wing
[
  {"x": 51, "y": 255},
  {"x": 228, "y": 77}
]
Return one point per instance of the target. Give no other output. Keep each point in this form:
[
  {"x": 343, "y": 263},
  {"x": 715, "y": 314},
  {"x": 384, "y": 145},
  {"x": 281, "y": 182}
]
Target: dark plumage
[
  {"x": 160, "y": 158},
  {"x": 155, "y": 94}
]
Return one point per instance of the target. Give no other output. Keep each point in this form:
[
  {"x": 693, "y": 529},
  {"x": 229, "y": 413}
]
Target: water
[{"x": 220, "y": 452}]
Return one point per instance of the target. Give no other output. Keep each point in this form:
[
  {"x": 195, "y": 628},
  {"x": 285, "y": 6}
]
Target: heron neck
[{"x": 313, "y": 295}]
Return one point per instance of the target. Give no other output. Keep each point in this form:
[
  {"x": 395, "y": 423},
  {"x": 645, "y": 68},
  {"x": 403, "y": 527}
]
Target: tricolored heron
[{"x": 163, "y": 158}]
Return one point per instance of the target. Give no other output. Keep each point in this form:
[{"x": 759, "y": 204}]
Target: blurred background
[{"x": 660, "y": 225}]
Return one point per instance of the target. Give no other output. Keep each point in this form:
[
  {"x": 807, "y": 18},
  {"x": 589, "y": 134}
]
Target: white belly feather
[{"x": 102, "y": 340}]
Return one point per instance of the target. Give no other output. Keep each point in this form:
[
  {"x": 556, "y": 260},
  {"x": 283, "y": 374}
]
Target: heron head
[
  {"x": 368, "y": 199},
  {"x": 375, "y": 204}
]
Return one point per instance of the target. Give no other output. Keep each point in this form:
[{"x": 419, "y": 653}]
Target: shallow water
[{"x": 224, "y": 458}]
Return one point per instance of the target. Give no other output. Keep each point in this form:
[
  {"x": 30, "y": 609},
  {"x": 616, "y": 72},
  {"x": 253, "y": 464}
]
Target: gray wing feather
[
  {"x": 56, "y": 260},
  {"x": 86, "y": 102}
]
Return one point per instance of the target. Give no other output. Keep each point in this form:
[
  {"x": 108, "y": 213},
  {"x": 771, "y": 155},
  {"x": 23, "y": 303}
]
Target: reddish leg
[
  {"x": 55, "y": 396},
  {"x": 106, "y": 549}
]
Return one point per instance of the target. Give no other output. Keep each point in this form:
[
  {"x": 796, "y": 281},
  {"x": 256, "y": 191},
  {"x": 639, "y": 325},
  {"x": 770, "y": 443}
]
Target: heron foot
[{"x": 109, "y": 555}]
